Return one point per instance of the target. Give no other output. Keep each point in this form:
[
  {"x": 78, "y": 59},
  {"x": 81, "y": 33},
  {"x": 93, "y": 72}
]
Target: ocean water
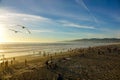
[{"x": 20, "y": 49}]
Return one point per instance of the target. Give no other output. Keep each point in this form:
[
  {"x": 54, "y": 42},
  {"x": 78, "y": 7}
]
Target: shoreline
[
  {"x": 79, "y": 58},
  {"x": 42, "y": 51},
  {"x": 31, "y": 57},
  {"x": 57, "y": 53}
]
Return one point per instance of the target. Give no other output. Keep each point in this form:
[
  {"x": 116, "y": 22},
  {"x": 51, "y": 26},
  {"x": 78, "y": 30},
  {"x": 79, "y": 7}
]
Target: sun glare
[{"x": 2, "y": 33}]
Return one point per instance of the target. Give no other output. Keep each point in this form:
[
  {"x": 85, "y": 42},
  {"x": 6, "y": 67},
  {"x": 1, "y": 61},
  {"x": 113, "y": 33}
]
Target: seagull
[
  {"x": 14, "y": 30},
  {"x": 23, "y": 27}
]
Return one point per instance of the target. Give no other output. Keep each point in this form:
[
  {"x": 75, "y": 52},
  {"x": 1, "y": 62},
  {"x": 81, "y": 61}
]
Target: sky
[{"x": 58, "y": 20}]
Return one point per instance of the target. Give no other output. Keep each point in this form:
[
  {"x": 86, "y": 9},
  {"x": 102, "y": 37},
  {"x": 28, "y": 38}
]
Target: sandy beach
[
  {"x": 93, "y": 63},
  {"x": 59, "y": 39}
]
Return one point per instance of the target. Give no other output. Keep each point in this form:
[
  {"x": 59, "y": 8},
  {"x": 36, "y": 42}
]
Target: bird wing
[
  {"x": 21, "y": 26},
  {"x": 28, "y": 31},
  {"x": 25, "y": 28},
  {"x": 14, "y": 30}
]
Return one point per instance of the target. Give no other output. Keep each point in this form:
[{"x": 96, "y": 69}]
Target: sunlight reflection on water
[{"x": 11, "y": 50}]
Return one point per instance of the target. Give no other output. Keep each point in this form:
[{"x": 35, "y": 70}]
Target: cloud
[
  {"x": 42, "y": 31},
  {"x": 42, "y": 23},
  {"x": 79, "y": 26},
  {"x": 13, "y": 18},
  {"x": 53, "y": 8},
  {"x": 70, "y": 24},
  {"x": 81, "y": 2},
  {"x": 20, "y": 16},
  {"x": 36, "y": 24}
]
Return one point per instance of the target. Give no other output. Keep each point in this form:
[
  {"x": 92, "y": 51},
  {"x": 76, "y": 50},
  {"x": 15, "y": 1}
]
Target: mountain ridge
[{"x": 96, "y": 40}]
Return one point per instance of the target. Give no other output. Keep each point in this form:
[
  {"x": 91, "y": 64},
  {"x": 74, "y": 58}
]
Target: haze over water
[{"x": 20, "y": 49}]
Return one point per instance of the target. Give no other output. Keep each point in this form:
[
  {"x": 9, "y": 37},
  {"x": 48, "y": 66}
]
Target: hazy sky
[{"x": 57, "y": 20}]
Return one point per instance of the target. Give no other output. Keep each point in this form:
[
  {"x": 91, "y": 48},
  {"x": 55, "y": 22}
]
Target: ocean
[{"x": 21, "y": 49}]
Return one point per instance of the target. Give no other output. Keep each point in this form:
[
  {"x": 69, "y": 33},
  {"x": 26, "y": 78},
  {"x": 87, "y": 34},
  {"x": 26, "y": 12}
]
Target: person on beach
[
  {"x": 6, "y": 64},
  {"x": 47, "y": 64},
  {"x": 40, "y": 53},
  {"x": 2, "y": 63},
  {"x": 25, "y": 62},
  {"x": 13, "y": 58},
  {"x": 11, "y": 62},
  {"x": 44, "y": 53},
  {"x": 51, "y": 58},
  {"x": 60, "y": 77},
  {"x": 55, "y": 53}
]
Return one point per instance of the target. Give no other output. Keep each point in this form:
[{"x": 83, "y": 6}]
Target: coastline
[
  {"x": 13, "y": 50},
  {"x": 34, "y": 56},
  {"x": 86, "y": 57}
]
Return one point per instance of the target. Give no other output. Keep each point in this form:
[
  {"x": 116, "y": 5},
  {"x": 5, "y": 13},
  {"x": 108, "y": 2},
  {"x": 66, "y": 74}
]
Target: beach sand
[{"x": 93, "y": 63}]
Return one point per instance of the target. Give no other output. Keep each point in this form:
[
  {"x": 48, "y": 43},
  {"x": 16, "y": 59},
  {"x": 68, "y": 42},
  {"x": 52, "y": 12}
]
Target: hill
[{"x": 108, "y": 40}]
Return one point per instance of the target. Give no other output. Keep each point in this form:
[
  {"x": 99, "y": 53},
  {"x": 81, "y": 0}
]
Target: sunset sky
[{"x": 58, "y": 20}]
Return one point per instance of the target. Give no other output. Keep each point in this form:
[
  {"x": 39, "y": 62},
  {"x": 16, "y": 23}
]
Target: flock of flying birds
[{"x": 23, "y": 27}]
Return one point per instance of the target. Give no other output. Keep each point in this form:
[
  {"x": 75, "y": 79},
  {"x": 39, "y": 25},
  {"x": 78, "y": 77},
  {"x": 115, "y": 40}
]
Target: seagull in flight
[
  {"x": 15, "y": 30},
  {"x": 23, "y": 27}
]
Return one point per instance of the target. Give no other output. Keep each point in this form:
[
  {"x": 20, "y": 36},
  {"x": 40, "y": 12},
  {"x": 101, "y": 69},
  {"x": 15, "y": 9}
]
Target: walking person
[{"x": 60, "y": 77}]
